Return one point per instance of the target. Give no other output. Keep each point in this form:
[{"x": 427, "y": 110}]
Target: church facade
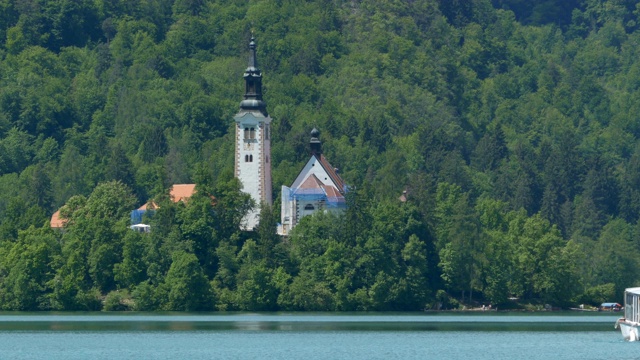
[
  {"x": 253, "y": 142},
  {"x": 318, "y": 187}
]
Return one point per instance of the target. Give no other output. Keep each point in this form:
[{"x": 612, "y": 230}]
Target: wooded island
[{"x": 491, "y": 148}]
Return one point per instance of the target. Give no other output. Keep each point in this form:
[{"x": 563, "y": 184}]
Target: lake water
[{"x": 314, "y": 336}]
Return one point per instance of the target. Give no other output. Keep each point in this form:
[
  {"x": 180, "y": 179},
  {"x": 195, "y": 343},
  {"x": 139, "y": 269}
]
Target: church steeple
[
  {"x": 253, "y": 142},
  {"x": 253, "y": 84}
]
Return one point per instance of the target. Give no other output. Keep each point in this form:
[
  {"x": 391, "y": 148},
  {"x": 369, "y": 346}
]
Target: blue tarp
[
  {"x": 608, "y": 305},
  {"x": 137, "y": 215}
]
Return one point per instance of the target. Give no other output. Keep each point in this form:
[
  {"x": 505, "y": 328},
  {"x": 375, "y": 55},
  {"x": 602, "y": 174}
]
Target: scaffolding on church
[{"x": 332, "y": 199}]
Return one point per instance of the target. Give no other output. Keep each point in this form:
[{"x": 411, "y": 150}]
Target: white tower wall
[{"x": 253, "y": 163}]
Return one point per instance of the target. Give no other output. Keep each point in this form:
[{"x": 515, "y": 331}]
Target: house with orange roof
[
  {"x": 182, "y": 192},
  {"x": 177, "y": 193},
  {"x": 318, "y": 187}
]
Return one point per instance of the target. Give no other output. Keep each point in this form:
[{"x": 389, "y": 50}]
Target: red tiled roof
[
  {"x": 148, "y": 206},
  {"x": 332, "y": 191},
  {"x": 180, "y": 192},
  {"x": 56, "y": 221},
  {"x": 332, "y": 173},
  {"x": 312, "y": 182}
]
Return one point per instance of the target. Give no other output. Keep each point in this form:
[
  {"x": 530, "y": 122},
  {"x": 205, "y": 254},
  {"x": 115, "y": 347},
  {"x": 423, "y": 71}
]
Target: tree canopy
[{"x": 512, "y": 126}]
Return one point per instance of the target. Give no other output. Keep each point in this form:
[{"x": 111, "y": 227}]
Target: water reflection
[{"x": 306, "y": 322}]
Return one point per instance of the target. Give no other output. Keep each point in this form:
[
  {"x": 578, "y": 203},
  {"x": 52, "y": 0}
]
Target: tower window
[
  {"x": 246, "y": 158},
  {"x": 266, "y": 133},
  {"x": 309, "y": 207},
  {"x": 249, "y": 133},
  {"x": 250, "y": 158}
]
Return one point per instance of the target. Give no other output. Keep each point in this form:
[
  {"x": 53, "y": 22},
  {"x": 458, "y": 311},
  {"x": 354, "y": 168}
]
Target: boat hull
[{"x": 630, "y": 331}]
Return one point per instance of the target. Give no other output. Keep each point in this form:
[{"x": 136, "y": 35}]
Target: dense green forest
[{"x": 513, "y": 126}]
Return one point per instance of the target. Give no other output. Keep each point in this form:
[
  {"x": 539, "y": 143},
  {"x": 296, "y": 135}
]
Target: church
[{"x": 318, "y": 187}]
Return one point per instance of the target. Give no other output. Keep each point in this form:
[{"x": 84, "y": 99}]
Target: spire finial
[
  {"x": 253, "y": 61},
  {"x": 253, "y": 83}
]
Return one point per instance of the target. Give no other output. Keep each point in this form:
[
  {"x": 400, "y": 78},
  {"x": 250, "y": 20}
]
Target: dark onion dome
[
  {"x": 314, "y": 143},
  {"x": 253, "y": 84}
]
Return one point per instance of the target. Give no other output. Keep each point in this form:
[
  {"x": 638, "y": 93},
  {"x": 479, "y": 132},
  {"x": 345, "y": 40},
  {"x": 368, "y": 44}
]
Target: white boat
[{"x": 630, "y": 323}]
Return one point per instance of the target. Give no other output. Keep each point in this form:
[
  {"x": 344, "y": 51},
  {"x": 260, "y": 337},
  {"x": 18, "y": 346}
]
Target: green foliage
[
  {"x": 117, "y": 301},
  {"x": 510, "y": 124},
  {"x": 186, "y": 285},
  {"x": 27, "y": 269},
  {"x": 132, "y": 270},
  {"x": 598, "y": 294}
]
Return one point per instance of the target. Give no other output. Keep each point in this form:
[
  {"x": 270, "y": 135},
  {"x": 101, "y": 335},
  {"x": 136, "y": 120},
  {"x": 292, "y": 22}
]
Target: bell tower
[{"x": 253, "y": 141}]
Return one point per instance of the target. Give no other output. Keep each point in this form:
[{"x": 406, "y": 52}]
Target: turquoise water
[{"x": 319, "y": 336}]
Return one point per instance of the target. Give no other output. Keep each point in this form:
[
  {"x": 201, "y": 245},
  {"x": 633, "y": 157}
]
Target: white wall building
[
  {"x": 253, "y": 142},
  {"x": 318, "y": 187}
]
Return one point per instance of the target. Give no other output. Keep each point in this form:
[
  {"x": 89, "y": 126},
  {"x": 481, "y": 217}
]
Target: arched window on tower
[
  {"x": 252, "y": 133},
  {"x": 246, "y": 158},
  {"x": 250, "y": 158},
  {"x": 246, "y": 133},
  {"x": 309, "y": 207}
]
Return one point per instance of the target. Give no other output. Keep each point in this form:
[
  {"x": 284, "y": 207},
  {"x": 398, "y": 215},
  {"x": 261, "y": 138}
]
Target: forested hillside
[{"x": 512, "y": 125}]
